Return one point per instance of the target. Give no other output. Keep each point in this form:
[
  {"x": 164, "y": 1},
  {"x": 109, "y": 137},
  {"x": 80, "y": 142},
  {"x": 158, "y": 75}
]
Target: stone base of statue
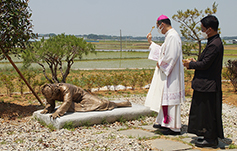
[{"x": 94, "y": 117}]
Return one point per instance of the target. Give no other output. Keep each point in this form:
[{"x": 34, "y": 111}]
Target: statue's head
[{"x": 48, "y": 90}]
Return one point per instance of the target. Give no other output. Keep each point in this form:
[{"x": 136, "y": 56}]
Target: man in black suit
[{"x": 206, "y": 108}]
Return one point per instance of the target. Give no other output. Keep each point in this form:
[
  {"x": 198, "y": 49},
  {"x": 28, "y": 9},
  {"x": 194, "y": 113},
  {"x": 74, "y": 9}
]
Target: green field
[
  {"x": 116, "y": 55},
  {"x": 228, "y": 52},
  {"x": 117, "y": 59},
  {"x": 108, "y": 63},
  {"x": 126, "y": 45}
]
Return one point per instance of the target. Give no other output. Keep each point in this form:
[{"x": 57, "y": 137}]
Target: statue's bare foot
[
  {"x": 44, "y": 112},
  {"x": 128, "y": 103},
  {"x": 124, "y": 104}
]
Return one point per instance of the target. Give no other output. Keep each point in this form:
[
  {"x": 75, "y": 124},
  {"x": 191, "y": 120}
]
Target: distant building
[{"x": 235, "y": 41}]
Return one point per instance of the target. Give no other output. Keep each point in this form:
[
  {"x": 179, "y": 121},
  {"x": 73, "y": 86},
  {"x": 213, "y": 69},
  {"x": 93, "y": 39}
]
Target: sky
[{"x": 132, "y": 17}]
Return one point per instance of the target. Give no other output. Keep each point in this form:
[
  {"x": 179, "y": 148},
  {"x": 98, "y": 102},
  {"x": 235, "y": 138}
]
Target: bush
[
  {"x": 231, "y": 72},
  {"x": 7, "y": 80},
  {"x": 84, "y": 79}
]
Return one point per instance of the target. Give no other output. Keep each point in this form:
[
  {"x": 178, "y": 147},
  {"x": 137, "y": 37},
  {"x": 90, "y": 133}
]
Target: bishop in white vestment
[{"x": 167, "y": 89}]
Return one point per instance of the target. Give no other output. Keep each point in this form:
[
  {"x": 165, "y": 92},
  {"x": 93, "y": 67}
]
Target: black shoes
[
  {"x": 159, "y": 126},
  {"x": 206, "y": 142},
  {"x": 169, "y": 132},
  {"x": 164, "y": 130}
]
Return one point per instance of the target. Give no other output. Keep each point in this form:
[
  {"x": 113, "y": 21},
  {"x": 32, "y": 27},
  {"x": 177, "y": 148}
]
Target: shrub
[
  {"x": 99, "y": 81},
  {"x": 231, "y": 72},
  {"x": 133, "y": 80},
  {"x": 7, "y": 80},
  {"x": 90, "y": 81}
]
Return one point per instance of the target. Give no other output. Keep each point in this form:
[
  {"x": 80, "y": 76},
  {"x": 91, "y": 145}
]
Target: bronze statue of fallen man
[{"x": 74, "y": 99}]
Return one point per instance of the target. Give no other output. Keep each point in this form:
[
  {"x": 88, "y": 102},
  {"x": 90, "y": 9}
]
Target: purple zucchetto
[{"x": 161, "y": 17}]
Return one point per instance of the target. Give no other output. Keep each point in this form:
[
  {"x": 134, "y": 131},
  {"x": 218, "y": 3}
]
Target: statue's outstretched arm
[
  {"x": 49, "y": 108},
  {"x": 67, "y": 101}
]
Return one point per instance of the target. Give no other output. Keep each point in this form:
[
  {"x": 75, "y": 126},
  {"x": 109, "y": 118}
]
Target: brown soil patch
[
  {"x": 230, "y": 47},
  {"x": 229, "y": 96},
  {"x": 18, "y": 107}
]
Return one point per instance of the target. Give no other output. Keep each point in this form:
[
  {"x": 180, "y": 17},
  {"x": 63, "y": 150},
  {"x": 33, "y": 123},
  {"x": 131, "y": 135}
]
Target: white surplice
[{"x": 167, "y": 86}]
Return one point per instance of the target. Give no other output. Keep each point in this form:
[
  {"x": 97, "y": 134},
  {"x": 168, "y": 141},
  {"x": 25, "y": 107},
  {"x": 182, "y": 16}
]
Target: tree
[
  {"x": 190, "y": 23},
  {"x": 54, "y": 52},
  {"x": 15, "y": 30},
  {"x": 189, "y": 47}
]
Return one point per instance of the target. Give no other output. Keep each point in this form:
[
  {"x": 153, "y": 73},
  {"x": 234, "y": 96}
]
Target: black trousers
[{"x": 205, "y": 117}]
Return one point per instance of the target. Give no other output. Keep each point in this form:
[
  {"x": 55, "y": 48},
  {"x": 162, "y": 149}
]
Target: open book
[{"x": 155, "y": 53}]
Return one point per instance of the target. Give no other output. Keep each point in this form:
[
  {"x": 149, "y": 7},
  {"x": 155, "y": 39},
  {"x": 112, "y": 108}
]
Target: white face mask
[
  {"x": 204, "y": 34},
  {"x": 160, "y": 29}
]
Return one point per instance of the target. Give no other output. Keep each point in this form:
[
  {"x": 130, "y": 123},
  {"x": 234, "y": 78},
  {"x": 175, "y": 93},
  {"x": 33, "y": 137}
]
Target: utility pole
[{"x": 120, "y": 48}]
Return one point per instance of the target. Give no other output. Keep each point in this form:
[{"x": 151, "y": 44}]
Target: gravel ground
[{"x": 31, "y": 135}]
